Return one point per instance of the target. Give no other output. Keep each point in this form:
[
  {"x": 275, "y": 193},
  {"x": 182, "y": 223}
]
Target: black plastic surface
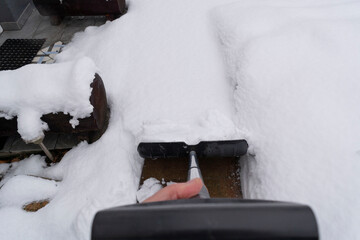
[
  {"x": 15, "y": 53},
  {"x": 232, "y": 148},
  {"x": 207, "y": 219}
]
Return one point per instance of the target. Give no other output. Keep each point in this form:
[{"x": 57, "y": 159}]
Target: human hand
[{"x": 177, "y": 191}]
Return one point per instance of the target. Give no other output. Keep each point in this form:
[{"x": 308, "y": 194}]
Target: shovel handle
[
  {"x": 204, "y": 193},
  {"x": 194, "y": 172}
]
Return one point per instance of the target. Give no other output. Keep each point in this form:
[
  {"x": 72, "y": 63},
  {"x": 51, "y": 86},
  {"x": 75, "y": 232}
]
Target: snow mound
[
  {"x": 296, "y": 69},
  {"x": 23, "y": 189},
  {"x": 149, "y": 188},
  {"x": 34, "y": 165},
  {"x": 35, "y": 90}
]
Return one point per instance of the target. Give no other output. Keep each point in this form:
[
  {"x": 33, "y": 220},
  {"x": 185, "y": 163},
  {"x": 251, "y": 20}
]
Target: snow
[
  {"x": 281, "y": 74},
  {"x": 30, "y": 166},
  {"x": 156, "y": 80},
  {"x": 297, "y": 85},
  {"x": 34, "y": 165},
  {"x": 149, "y": 188},
  {"x": 3, "y": 168},
  {"x": 23, "y": 189},
  {"x": 35, "y": 90}
]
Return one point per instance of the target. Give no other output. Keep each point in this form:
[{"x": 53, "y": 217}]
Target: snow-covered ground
[{"x": 282, "y": 74}]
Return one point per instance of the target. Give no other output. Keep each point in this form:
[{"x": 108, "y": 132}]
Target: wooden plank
[
  {"x": 8, "y": 143},
  {"x": 20, "y": 146}
]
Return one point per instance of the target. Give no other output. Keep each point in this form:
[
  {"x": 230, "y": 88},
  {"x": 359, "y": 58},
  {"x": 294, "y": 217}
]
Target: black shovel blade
[
  {"x": 163, "y": 150},
  {"x": 229, "y": 148},
  {"x": 207, "y": 219}
]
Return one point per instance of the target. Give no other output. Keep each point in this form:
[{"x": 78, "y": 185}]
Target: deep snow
[
  {"x": 296, "y": 68},
  {"x": 282, "y": 74}
]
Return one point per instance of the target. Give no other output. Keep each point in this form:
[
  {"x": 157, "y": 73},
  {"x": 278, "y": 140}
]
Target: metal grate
[{"x": 15, "y": 53}]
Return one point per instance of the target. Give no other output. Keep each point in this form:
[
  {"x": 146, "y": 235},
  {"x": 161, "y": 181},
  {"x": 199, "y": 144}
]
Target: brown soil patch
[{"x": 34, "y": 206}]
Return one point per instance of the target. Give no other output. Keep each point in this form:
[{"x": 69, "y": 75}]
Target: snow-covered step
[{"x": 14, "y": 145}]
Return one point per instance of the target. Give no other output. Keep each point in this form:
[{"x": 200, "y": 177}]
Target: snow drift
[{"x": 296, "y": 70}]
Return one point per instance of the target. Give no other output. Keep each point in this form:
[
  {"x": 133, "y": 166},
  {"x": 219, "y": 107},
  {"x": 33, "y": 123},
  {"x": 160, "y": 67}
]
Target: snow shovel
[
  {"x": 205, "y": 149},
  {"x": 203, "y": 217}
]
